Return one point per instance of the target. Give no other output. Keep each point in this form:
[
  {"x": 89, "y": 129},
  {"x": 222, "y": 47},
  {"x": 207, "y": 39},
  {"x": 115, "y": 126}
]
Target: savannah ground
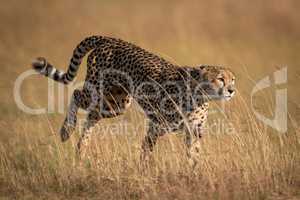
[{"x": 241, "y": 157}]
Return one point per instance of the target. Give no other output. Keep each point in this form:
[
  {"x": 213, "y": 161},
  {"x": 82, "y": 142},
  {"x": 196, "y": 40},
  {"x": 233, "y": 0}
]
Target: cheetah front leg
[
  {"x": 193, "y": 147},
  {"x": 194, "y": 131}
]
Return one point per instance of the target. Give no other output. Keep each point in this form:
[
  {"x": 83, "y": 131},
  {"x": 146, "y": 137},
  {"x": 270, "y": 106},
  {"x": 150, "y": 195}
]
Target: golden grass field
[{"x": 245, "y": 159}]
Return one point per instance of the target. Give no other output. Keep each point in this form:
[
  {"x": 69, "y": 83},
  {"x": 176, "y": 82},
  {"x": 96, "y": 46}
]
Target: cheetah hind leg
[
  {"x": 114, "y": 105},
  {"x": 150, "y": 140},
  {"x": 70, "y": 121},
  {"x": 93, "y": 117}
]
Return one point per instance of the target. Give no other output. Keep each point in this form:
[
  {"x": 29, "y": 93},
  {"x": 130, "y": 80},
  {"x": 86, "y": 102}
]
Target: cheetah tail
[{"x": 45, "y": 68}]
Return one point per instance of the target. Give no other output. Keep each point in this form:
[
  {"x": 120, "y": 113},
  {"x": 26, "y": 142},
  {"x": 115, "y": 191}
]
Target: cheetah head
[{"x": 216, "y": 82}]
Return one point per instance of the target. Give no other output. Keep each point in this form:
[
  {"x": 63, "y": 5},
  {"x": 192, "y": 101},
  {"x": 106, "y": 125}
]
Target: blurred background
[{"x": 253, "y": 38}]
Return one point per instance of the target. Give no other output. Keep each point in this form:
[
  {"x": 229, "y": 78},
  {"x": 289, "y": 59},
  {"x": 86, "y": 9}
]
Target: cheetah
[{"x": 174, "y": 98}]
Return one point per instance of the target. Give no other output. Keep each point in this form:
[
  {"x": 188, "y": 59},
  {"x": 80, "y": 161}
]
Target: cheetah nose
[{"x": 231, "y": 91}]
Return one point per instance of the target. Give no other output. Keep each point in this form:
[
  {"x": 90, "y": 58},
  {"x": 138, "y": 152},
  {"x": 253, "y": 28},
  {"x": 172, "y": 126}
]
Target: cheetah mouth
[{"x": 228, "y": 97}]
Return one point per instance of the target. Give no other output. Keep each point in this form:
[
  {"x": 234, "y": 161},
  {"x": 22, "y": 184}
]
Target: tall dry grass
[
  {"x": 243, "y": 159},
  {"x": 249, "y": 162}
]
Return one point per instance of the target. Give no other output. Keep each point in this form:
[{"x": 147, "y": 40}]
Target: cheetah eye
[{"x": 221, "y": 79}]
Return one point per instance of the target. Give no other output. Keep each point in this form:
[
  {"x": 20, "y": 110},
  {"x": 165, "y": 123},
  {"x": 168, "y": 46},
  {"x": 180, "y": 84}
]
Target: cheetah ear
[
  {"x": 203, "y": 68},
  {"x": 194, "y": 72},
  {"x": 198, "y": 72}
]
